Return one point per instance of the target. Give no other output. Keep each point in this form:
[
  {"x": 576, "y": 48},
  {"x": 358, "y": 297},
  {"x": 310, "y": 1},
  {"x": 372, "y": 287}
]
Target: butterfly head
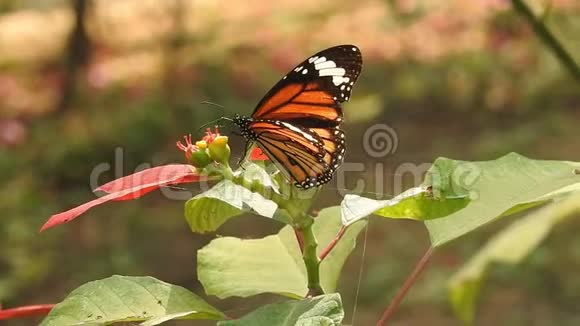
[{"x": 244, "y": 124}]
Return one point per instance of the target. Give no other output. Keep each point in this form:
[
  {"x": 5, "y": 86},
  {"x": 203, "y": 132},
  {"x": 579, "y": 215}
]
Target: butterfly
[{"x": 297, "y": 123}]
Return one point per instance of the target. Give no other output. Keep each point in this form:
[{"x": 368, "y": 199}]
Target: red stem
[
  {"x": 25, "y": 311},
  {"x": 332, "y": 243},
  {"x": 419, "y": 268},
  {"x": 300, "y": 239}
]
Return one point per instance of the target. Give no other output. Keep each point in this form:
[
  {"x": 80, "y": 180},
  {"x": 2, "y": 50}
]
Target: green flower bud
[
  {"x": 219, "y": 150},
  {"x": 200, "y": 158}
]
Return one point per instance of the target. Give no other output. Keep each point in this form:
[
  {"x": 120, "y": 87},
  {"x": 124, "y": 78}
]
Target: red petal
[
  {"x": 148, "y": 180},
  {"x": 258, "y": 155},
  {"x": 136, "y": 194},
  {"x": 26, "y": 311},
  {"x": 73, "y": 213},
  {"x": 130, "y": 187},
  {"x": 147, "y": 189}
]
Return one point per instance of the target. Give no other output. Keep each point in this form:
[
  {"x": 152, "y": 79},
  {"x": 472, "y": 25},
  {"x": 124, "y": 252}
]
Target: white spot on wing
[
  {"x": 337, "y": 80},
  {"x": 298, "y": 130},
  {"x": 305, "y": 71},
  {"x": 324, "y": 65},
  {"x": 354, "y": 49},
  {"x": 332, "y": 72},
  {"x": 298, "y": 69},
  {"x": 319, "y": 60},
  {"x": 312, "y": 59}
]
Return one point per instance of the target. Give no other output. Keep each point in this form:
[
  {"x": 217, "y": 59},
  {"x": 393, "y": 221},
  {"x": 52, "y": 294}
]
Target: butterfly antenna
[
  {"x": 213, "y": 104},
  {"x": 211, "y": 123}
]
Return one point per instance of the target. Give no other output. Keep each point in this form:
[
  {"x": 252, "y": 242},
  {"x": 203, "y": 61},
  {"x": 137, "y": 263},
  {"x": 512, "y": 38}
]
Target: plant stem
[
  {"x": 332, "y": 243},
  {"x": 311, "y": 261},
  {"x": 548, "y": 38},
  {"x": 228, "y": 174},
  {"x": 299, "y": 239},
  {"x": 419, "y": 268}
]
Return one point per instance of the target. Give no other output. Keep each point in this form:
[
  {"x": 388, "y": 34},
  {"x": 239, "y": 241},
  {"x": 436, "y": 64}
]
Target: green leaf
[
  {"x": 238, "y": 267},
  {"x": 123, "y": 298},
  {"x": 292, "y": 201},
  {"x": 496, "y": 188},
  {"x": 416, "y": 203},
  {"x": 326, "y": 226},
  {"x": 510, "y": 246},
  {"x": 321, "y": 310},
  {"x": 208, "y": 211},
  {"x": 230, "y": 266},
  {"x": 256, "y": 176}
]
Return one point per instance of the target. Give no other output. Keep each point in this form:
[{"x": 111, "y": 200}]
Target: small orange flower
[
  {"x": 210, "y": 136},
  {"x": 188, "y": 148}
]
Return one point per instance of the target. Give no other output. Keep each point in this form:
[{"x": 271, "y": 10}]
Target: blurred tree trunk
[
  {"x": 174, "y": 44},
  {"x": 77, "y": 53}
]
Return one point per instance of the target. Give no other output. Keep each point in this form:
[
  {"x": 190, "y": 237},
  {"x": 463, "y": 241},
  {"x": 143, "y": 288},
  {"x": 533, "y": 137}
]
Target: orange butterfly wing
[
  {"x": 297, "y": 122},
  {"x": 299, "y": 153},
  {"x": 299, "y": 102},
  {"x": 314, "y": 89}
]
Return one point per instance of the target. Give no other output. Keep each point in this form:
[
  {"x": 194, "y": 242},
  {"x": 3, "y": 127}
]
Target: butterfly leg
[{"x": 246, "y": 153}]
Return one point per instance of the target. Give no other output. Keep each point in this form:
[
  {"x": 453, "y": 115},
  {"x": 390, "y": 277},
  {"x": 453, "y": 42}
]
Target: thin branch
[
  {"x": 332, "y": 243},
  {"x": 299, "y": 239},
  {"x": 548, "y": 38},
  {"x": 419, "y": 268}
]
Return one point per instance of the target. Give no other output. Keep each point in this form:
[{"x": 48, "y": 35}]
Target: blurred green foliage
[{"x": 466, "y": 80}]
